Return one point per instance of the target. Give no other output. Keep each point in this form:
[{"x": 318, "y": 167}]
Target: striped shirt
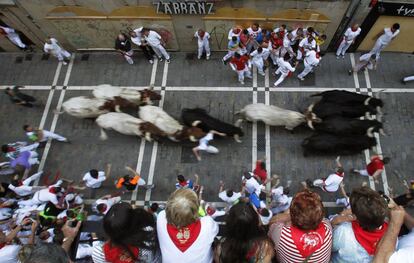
[
  {"x": 145, "y": 256},
  {"x": 287, "y": 252}
]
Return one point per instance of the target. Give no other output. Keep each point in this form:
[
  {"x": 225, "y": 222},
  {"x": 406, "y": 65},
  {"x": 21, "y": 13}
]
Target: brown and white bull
[
  {"x": 139, "y": 97},
  {"x": 169, "y": 125},
  {"x": 87, "y": 107},
  {"x": 127, "y": 125},
  {"x": 272, "y": 115}
]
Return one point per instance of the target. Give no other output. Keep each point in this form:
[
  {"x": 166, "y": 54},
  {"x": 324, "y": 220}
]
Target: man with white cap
[
  {"x": 52, "y": 47},
  {"x": 138, "y": 39}
]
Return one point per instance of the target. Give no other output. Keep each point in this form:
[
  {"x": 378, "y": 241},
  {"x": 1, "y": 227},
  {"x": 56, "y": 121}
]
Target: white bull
[
  {"x": 138, "y": 97},
  {"x": 272, "y": 115},
  {"x": 122, "y": 123},
  {"x": 84, "y": 107},
  {"x": 167, "y": 124}
]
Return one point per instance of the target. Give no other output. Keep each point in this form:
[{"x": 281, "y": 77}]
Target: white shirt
[
  {"x": 252, "y": 185},
  {"x": 8, "y": 254},
  {"x": 260, "y": 56},
  {"x": 350, "y": 35},
  {"x": 200, "y": 251},
  {"x": 386, "y": 38},
  {"x": 44, "y": 196},
  {"x": 278, "y": 196},
  {"x": 311, "y": 59},
  {"x": 22, "y": 190},
  {"x": 294, "y": 36},
  {"x": 232, "y": 34},
  {"x": 153, "y": 38},
  {"x": 253, "y": 33},
  {"x": 203, "y": 143},
  {"x": 332, "y": 182},
  {"x": 284, "y": 66},
  {"x": 92, "y": 182},
  {"x": 229, "y": 200},
  {"x": 304, "y": 43},
  {"x": 53, "y": 48},
  {"x": 404, "y": 252},
  {"x": 10, "y": 32},
  {"x": 138, "y": 39},
  {"x": 203, "y": 40},
  {"x": 108, "y": 202}
]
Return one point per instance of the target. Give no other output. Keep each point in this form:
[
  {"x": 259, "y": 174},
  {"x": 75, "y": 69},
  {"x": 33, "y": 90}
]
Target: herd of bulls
[{"x": 336, "y": 118}]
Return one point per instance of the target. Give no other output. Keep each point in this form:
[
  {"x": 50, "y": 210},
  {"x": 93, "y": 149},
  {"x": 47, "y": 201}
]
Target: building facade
[{"x": 93, "y": 24}]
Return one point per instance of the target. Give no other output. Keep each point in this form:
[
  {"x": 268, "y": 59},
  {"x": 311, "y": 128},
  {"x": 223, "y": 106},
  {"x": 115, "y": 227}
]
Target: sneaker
[
  {"x": 151, "y": 61},
  {"x": 198, "y": 57},
  {"x": 274, "y": 85},
  {"x": 349, "y": 72},
  {"x": 64, "y": 63},
  {"x": 160, "y": 59},
  {"x": 302, "y": 79},
  {"x": 337, "y": 57},
  {"x": 168, "y": 61},
  {"x": 207, "y": 57},
  {"x": 343, "y": 56},
  {"x": 262, "y": 73},
  {"x": 224, "y": 62},
  {"x": 353, "y": 171},
  {"x": 242, "y": 82}
]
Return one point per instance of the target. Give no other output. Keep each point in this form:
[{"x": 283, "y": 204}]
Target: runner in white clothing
[
  {"x": 204, "y": 144},
  {"x": 284, "y": 69},
  {"x": 203, "y": 43},
  {"x": 93, "y": 178},
  {"x": 384, "y": 38},
  {"x": 333, "y": 181},
  {"x": 52, "y": 47},
  {"x": 12, "y": 35},
  {"x": 138, "y": 39},
  {"x": 157, "y": 43},
  {"x": 407, "y": 79},
  {"x": 258, "y": 58},
  {"x": 23, "y": 188},
  {"x": 228, "y": 195},
  {"x": 44, "y": 196},
  {"x": 311, "y": 60},
  {"x": 349, "y": 37},
  {"x": 103, "y": 204},
  {"x": 306, "y": 44},
  {"x": 37, "y": 135}
]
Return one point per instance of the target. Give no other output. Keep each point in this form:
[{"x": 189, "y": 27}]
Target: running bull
[
  {"x": 199, "y": 118},
  {"x": 324, "y": 110},
  {"x": 342, "y": 126},
  {"x": 139, "y": 97},
  {"x": 344, "y": 97},
  {"x": 325, "y": 143}
]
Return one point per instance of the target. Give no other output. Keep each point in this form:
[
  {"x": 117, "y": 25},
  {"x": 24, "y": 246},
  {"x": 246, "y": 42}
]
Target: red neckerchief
[
  {"x": 368, "y": 239},
  {"x": 183, "y": 184},
  {"x": 11, "y": 149},
  {"x": 184, "y": 237},
  {"x": 119, "y": 255},
  {"x": 340, "y": 174},
  {"x": 353, "y": 29},
  {"x": 308, "y": 242}
]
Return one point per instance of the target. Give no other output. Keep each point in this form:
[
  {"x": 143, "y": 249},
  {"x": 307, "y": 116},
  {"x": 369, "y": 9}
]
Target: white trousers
[
  {"x": 229, "y": 55},
  {"x": 378, "y": 47},
  {"x": 274, "y": 56},
  {"x": 409, "y": 78},
  {"x": 128, "y": 57},
  {"x": 281, "y": 78},
  {"x": 259, "y": 63},
  {"x": 210, "y": 149},
  {"x": 48, "y": 134},
  {"x": 15, "y": 39},
  {"x": 299, "y": 55},
  {"x": 306, "y": 71},
  {"x": 245, "y": 72},
  {"x": 29, "y": 147},
  {"x": 285, "y": 50},
  {"x": 32, "y": 178},
  {"x": 160, "y": 51},
  {"x": 61, "y": 55},
  {"x": 343, "y": 47},
  {"x": 33, "y": 158},
  {"x": 203, "y": 46}
]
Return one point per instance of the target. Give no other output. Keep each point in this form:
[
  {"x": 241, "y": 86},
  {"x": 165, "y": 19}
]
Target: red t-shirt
[
  {"x": 260, "y": 172},
  {"x": 375, "y": 165},
  {"x": 240, "y": 63}
]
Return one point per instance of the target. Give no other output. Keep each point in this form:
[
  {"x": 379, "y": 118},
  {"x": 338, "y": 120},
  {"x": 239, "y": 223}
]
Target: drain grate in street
[
  {"x": 85, "y": 57},
  {"x": 28, "y": 57},
  {"x": 261, "y": 142},
  {"x": 45, "y": 56},
  {"x": 19, "y": 60},
  {"x": 190, "y": 56},
  {"x": 187, "y": 155}
]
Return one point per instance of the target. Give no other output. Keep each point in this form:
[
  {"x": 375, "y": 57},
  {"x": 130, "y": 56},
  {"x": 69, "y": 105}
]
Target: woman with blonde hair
[{"x": 183, "y": 236}]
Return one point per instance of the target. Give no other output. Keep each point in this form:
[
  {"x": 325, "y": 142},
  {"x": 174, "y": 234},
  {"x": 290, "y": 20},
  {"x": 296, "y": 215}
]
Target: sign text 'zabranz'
[{"x": 184, "y": 7}]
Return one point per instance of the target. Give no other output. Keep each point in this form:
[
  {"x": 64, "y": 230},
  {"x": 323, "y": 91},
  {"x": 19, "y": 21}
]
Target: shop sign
[
  {"x": 184, "y": 7},
  {"x": 396, "y": 9}
]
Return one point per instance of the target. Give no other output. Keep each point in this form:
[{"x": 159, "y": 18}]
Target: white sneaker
[
  {"x": 242, "y": 82},
  {"x": 302, "y": 79},
  {"x": 207, "y": 57},
  {"x": 199, "y": 57},
  {"x": 64, "y": 63},
  {"x": 151, "y": 61},
  {"x": 337, "y": 57},
  {"x": 262, "y": 73},
  {"x": 168, "y": 61}
]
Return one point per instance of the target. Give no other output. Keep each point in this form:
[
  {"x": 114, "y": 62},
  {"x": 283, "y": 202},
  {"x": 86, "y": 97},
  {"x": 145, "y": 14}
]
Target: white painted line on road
[
  {"x": 358, "y": 90},
  {"x": 31, "y": 87},
  {"x": 377, "y": 138},
  {"x": 142, "y": 145},
  {"x": 55, "y": 117},
  {"x": 50, "y": 97},
  {"x": 254, "y": 124},
  {"x": 155, "y": 144},
  {"x": 267, "y": 135}
]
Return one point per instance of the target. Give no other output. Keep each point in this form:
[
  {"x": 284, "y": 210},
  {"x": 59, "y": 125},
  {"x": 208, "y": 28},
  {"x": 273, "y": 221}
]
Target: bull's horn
[
  {"x": 238, "y": 123},
  {"x": 195, "y": 123},
  {"x": 379, "y": 117},
  {"x": 382, "y": 132},
  {"x": 310, "y": 124},
  {"x": 369, "y": 132},
  {"x": 379, "y": 110},
  {"x": 366, "y": 102},
  {"x": 103, "y": 135},
  {"x": 192, "y": 138},
  {"x": 118, "y": 108},
  {"x": 310, "y": 108},
  {"x": 55, "y": 111},
  {"x": 368, "y": 116},
  {"x": 148, "y": 136},
  {"x": 317, "y": 120},
  {"x": 237, "y": 138}
]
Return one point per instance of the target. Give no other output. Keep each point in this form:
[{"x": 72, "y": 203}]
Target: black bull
[
  {"x": 343, "y": 126},
  {"x": 349, "y": 98},
  {"x": 329, "y": 144},
  {"x": 324, "y": 110}
]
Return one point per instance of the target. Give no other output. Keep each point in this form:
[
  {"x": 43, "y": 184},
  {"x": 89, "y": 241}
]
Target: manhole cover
[
  {"x": 19, "y": 60},
  {"x": 85, "y": 57},
  {"x": 261, "y": 142}
]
